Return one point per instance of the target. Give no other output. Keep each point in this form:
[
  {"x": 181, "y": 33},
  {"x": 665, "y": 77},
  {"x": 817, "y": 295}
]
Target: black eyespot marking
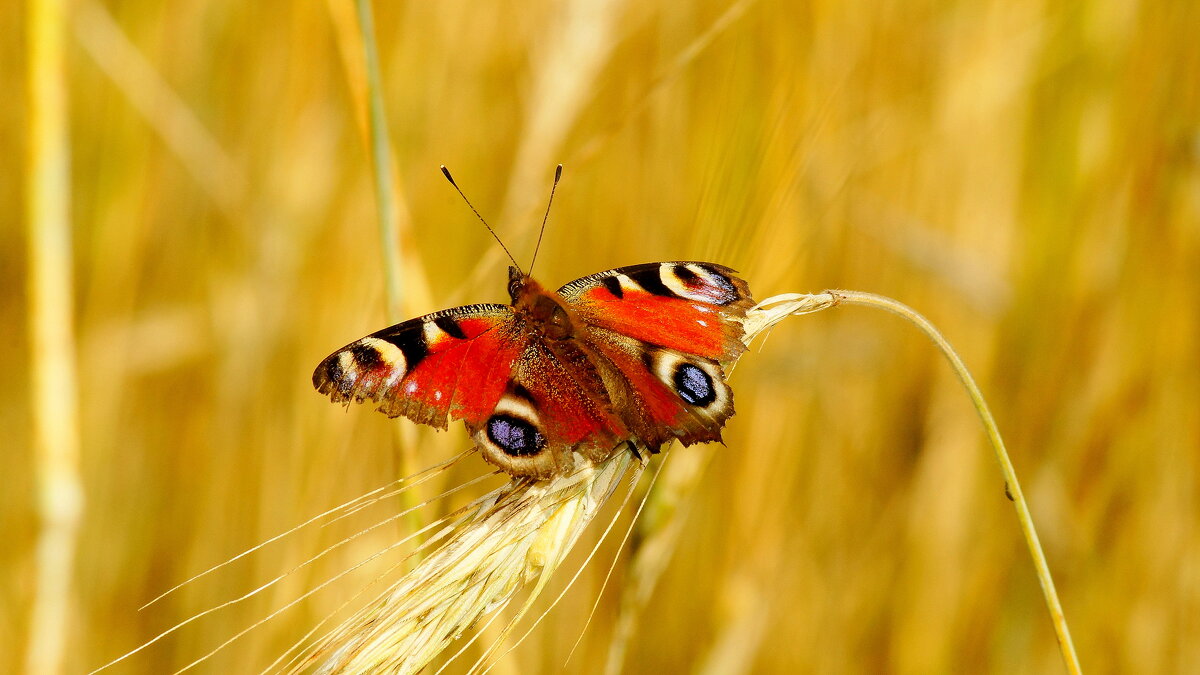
[
  {"x": 649, "y": 280},
  {"x": 450, "y": 327},
  {"x": 694, "y": 385},
  {"x": 648, "y": 358},
  {"x": 522, "y": 393},
  {"x": 366, "y": 356},
  {"x": 725, "y": 292},
  {"x": 688, "y": 277},
  {"x": 411, "y": 341},
  {"x": 515, "y": 436},
  {"x": 712, "y": 287},
  {"x": 613, "y": 285},
  {"x": 333, "y": 374}
]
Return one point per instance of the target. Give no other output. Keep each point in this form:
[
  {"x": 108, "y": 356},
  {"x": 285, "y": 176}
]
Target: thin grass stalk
[
  {"x": 1012, "y": 485},
  {"x": 55, "y": 398},
  {"x": 387, "y": 209},
  {"x": 658, "y": 535},
  {"x": 172, "y": 118},
  {"x": 587, "y": 150},
  {"x": 381, "y": 165}
]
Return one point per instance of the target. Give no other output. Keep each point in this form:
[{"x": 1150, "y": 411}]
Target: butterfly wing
[
  {"x": 554, "y": 407},
  {"x": 664, "y": 334},
  {"x": 528, "y": 407},
  {"x": 454, "y": 363}
]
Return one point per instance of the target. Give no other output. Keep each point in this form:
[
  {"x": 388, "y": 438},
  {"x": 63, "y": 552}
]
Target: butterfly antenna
[
  {"x": 446, "y": 173},
  {"x": 557, "y": 175}
]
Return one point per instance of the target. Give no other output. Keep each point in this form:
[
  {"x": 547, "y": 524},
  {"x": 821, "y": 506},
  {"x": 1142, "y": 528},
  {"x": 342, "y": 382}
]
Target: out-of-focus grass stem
[
  {"x": 171, "y": 117},
  {"x": 381, "y": 163},
  {"x": 386, "y": 208},
  {"x": 1012, "y": 485},
  {"x": 56, "y": 431}
]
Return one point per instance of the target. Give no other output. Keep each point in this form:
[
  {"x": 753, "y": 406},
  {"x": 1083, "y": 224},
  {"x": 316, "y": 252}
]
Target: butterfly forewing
[
  {"x": 692, "y": 307},
  {"x": 451, "y": 363}
]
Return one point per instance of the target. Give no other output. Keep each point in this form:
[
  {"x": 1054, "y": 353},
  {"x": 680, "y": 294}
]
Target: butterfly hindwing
[
  {"x": 670, "y": 329},
  {"x": 452, "y": 363},
  {"x": 669, "y": 394},
  {"x": 555, "y": 405}
]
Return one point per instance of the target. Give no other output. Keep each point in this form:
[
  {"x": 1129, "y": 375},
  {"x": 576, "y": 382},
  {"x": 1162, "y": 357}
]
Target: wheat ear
[{"x": 518, "y": 534}]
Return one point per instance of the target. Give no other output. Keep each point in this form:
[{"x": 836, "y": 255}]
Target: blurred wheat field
[{"x": 1026, "y": 174}]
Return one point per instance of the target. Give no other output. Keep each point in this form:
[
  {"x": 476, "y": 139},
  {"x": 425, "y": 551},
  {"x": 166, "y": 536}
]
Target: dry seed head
[
  {"x": 776, "y": 308},
  {"x": 515, "y": 535}
]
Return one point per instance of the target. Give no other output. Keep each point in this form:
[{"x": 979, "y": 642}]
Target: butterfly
[{"x": 631, "y": 357}]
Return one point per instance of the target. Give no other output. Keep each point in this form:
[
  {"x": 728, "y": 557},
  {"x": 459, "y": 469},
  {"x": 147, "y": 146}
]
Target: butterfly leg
[{"x": 640, "y": 450}]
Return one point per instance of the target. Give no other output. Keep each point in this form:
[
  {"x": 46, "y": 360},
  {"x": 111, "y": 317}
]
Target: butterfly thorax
[{"x": 545, "y": 311}]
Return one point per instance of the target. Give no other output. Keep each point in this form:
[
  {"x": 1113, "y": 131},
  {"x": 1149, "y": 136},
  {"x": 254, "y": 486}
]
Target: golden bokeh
[{"x": 1025, "y": 173}]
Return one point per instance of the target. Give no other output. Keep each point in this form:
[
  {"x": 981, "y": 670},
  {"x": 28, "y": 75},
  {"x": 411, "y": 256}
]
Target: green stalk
[
  {"x": 1012, "y": 485},
  {"x": 389, "y": 229},
  {"x": 385, "y": 199}
]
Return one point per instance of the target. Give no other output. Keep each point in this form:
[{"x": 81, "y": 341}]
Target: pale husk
[{"x": 517, "y": 535}]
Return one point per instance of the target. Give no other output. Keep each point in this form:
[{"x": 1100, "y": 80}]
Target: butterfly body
[{"x": 634, "y": 355}]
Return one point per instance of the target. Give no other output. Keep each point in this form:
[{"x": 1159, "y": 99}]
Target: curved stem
[{"x": 1012, "y": 485}]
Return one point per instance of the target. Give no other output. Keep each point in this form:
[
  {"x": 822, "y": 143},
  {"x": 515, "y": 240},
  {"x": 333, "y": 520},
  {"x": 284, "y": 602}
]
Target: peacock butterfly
[{"x": 631, "y": 357}]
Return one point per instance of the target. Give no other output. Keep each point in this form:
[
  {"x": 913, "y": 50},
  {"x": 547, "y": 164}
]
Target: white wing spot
[
  {"x": 388, "y": 353},
  {"x": 433, "y": 334},
  {"x": 511, "y": 405},
  {"x": 349, "y": 366},
  {"x": 628, "y": 285},
  {"x": 666, "y": 273}
]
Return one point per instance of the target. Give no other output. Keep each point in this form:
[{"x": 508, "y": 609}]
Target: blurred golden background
[{"x": 1025, "y": 173}]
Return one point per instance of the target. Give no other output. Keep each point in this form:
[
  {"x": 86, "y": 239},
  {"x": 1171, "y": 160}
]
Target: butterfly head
[
  {"x": 545, "y": 311},
  {"x": 516, "y": 282}
]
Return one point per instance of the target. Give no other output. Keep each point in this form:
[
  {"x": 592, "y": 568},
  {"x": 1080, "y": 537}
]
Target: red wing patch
[
  {"x": 691, "y": 307},
  {"x": 456, "y": 362},
  {"x": 659, "y": 402},
  {"x": 670, "y": 322}
]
